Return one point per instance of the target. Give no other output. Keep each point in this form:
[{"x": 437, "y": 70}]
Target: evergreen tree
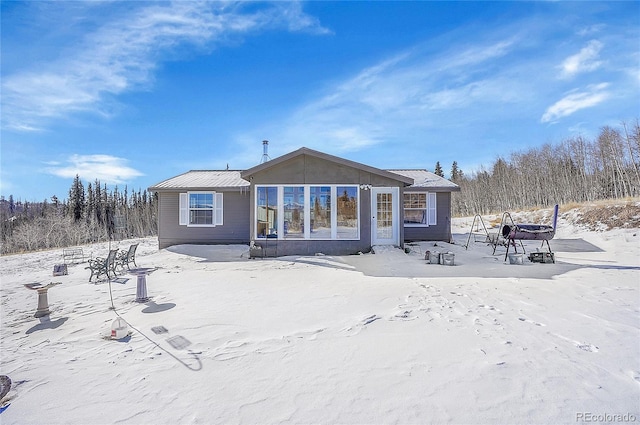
[
  {"x": 99, "y": 205},
  {"x": 76, "y": 199},
  {"x": 44, "y": 209},
  {"x": 456, "y": 173},
  {"x": 438, "y": 170},
  {"x": 55, "y": 202},
  {"x": 91, "y": 204},
  {"x": 12, "y": 205}
]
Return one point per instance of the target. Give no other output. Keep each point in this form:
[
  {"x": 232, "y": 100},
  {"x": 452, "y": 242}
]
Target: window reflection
[
  {"x": 320, "y": 212},
  {"x": 415, "y": 208},
  {"x": 293, "y": 212},
  {"x": 347, "y": 212},
  {"x": 267, "y": 212},
  {"x": 331, "y": 212}
]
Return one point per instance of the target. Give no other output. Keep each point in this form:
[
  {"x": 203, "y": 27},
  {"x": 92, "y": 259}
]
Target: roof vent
[{"x": 265, "y": 152}]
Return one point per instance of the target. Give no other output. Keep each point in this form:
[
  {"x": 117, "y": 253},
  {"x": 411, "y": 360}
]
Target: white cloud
[
  {"x": 399, "y": 98},
  {"x": 291, "y": 16},
  {"x": 478, "y": 54},
  {"x": 122, "y": 55},
  {"x": 576, "y": 101},
  {"x": 584, "y": 61},
  {"x": 591, "y": 29},
  {"x": 105, "y": 168}
]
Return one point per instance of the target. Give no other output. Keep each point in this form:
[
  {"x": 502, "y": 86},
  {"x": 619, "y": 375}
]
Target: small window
[
  {"x": 201, "y": 209},
  {"x": 419, "y": 209}
]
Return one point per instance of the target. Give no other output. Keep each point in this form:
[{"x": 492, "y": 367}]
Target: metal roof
[
  {"x": 202, "y": 180},
  {"x": 231, "y": 179},
  {"x": 428, "y": 180}
]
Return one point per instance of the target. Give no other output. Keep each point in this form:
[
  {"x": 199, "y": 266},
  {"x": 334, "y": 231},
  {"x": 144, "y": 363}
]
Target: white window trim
[
  {"x": 307, "y": 212},
  {"x": 218, "y": 208},
  {"x": 429, "y": 210}
]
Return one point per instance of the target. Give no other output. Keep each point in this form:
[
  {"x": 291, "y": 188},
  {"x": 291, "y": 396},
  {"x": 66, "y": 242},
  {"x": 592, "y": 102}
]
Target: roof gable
[{"x": 310, "y": 152}]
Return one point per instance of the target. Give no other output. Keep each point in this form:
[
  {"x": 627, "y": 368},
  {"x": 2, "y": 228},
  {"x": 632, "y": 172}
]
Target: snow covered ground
[{"x": 375, "y": 338}]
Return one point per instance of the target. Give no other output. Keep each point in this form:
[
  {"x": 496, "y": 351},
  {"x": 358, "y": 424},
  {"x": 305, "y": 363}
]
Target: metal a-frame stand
[
  {"x": 477, "y": 221},
  {"x": 494, "y": 239}
]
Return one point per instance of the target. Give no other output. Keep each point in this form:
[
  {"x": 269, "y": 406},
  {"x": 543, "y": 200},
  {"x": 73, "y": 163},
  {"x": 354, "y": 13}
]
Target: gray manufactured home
[{"x": 303, "y": 203}]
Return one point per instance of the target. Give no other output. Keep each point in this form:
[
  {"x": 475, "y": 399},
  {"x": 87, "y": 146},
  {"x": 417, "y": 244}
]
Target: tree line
[
  {"x": 88, "y": 215},
  {"x": 575, "y": 170}
]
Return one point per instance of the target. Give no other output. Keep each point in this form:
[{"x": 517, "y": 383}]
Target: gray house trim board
[{"x": 308, "y": 169}]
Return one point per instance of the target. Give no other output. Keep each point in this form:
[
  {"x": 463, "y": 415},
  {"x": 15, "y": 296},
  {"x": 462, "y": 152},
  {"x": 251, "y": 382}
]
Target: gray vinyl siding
[
  {"x": 234, "y": 230},
  {"x": 438, "y": 232}
]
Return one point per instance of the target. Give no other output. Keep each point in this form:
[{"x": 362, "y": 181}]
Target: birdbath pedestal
[
  {"x": 43, "y": 300},
  {"x": 141, "y": 288}
]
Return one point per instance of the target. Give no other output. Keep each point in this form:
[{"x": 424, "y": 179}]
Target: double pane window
[
  {"x": 201, "y": 209},
  {"x": 419, "y": 209}
]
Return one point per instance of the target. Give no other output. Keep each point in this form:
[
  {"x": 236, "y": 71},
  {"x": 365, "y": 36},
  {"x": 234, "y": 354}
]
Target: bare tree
[{"x": 575, "y": 170}]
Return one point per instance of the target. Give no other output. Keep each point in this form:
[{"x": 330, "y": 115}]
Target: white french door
[{"x": 385, "y": 217}]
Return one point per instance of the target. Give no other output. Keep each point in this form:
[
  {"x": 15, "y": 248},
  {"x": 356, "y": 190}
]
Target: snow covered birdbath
[
  {"x": 141, "y": 288},
  {"x": 43, "y": 300}
]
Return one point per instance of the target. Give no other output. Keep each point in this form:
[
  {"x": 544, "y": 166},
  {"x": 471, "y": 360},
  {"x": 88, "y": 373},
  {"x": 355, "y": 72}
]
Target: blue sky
[{"x": 132, "y": 93}]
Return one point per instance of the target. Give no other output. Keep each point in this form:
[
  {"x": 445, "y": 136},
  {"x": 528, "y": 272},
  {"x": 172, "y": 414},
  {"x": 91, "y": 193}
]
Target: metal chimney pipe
[{"x": 265, "y": 152}]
